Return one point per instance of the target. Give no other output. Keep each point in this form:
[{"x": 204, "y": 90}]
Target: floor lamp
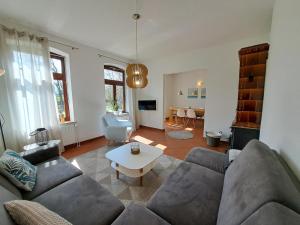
[{"x": 2, "y": 72}]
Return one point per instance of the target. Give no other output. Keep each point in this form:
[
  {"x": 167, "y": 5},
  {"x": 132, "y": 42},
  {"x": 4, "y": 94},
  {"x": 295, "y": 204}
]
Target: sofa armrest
[
  {"x": 207, "y": 158},
  {"x": 37, "y": 156},
  {"x": 125, "y": 123}
]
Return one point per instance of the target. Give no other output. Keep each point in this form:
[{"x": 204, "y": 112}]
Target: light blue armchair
[{"x": 117, "y": 130}]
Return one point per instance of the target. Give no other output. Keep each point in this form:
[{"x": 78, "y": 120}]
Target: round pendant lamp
[
  {"x": 137, "y": 75},
  {"x": 136, "y": 72}
]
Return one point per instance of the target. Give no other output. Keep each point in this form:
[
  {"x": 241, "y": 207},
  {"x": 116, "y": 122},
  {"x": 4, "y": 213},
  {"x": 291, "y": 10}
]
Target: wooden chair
[{"x": 173, "y": 115}]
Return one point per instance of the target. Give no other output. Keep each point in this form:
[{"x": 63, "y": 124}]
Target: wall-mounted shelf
[{"x": 253, "y": 61}]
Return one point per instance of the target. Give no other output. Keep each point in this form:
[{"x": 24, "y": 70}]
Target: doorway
[{"x": 184, "y": 91}]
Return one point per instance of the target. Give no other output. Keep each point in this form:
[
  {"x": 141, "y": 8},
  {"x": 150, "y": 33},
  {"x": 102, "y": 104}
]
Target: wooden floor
[{"x": 159, "y": 138}]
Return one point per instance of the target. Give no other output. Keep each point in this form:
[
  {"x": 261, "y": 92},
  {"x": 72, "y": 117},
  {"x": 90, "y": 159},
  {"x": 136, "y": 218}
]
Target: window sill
[{"x": 68, "y": 123}]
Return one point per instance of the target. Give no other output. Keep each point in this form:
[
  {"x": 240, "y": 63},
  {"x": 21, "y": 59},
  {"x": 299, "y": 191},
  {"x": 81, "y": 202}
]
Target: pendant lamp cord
[{"x": 136, "y": 34}]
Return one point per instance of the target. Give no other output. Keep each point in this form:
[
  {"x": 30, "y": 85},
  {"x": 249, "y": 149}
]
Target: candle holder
[{"x": 135, "y": 148}]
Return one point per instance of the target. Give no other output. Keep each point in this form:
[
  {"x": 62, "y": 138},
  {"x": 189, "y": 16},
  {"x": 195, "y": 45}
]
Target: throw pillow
[
  {"x": 32, "y": 213},
  {"x": 18, "y": 170}
]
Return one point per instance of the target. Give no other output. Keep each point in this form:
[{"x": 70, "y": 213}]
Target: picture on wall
[
  {"x": 203, "y": 92},
  {"x": 192, "y": 93}
]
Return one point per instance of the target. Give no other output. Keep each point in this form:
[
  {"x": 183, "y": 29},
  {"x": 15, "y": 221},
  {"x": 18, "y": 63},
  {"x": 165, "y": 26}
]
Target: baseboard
[
  {"x": 83, "y": 142},
  {"x": 151, "y": 128}
]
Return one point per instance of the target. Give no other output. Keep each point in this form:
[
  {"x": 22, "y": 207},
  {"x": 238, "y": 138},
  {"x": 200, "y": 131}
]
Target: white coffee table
[{"x": 133, "y": 165}]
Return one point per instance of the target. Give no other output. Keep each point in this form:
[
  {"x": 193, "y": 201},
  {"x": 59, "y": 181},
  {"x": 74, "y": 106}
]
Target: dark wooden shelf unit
[{"x": 253, "y": 61}]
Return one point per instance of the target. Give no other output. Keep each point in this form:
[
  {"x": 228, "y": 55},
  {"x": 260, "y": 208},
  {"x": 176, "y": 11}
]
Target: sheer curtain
[
  {"x": 131, "y": 98},
  {"x": 28, "y": 86}
]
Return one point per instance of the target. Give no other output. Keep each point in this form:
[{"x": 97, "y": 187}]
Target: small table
[
  {"x": 36, "y": 153},
  {"x": 133, "y": 165}
]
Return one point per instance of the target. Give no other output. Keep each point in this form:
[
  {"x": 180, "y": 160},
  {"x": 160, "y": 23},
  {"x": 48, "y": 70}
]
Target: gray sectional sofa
[
  {"x": 63, "y": 188},
  {"x": 258, "y": 188}
]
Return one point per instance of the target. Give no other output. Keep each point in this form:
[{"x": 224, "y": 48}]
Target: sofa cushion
[
  {"x": 18, "y": 170},
  {"x": 191, "y": 195},
  {"x": 273, "y": 214},
  {"x": 255, "y": 178},
  {"x": 210, "y": 159},
  {"x": 82, "y": 200},
  {"x": 5, "y": 196},
  {"x": 4, "y": 182},
  {"x": 50, "y": 174},
  {"x": 136, "y": 215}
]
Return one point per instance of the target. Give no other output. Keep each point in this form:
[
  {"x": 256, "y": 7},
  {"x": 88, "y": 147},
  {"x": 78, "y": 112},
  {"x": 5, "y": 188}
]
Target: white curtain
[
  {"x": 28, "y": 87},
  {"x": 130, "y": 97}
]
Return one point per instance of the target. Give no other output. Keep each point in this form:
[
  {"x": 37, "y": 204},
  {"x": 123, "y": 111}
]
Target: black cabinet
[{"x": 241, "y": 136}]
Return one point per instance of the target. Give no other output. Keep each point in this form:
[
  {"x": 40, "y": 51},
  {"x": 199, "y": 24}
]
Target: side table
[
  {"x": 35, "y": 153},
  {"x": 36, "y": 147}
]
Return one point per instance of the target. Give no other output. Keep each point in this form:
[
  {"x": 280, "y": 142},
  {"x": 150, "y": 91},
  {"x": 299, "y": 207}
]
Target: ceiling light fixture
[{"x": 136, "y": 72}]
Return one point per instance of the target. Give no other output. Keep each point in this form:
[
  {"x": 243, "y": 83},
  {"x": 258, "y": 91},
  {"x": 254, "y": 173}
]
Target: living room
[{"x": 135, "y": 112}]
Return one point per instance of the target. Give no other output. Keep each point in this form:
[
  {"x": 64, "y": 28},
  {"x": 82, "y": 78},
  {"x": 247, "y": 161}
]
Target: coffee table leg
[
  {"x": 117, "y": 171},
  {"x": 141, "y": 178}
]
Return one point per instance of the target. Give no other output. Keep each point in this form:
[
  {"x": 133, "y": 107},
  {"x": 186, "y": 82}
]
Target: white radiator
[{"x": 69, "y": 133}]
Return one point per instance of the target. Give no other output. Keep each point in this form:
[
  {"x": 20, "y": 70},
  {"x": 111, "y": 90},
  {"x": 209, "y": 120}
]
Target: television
[{"x": 147, "y": 104}]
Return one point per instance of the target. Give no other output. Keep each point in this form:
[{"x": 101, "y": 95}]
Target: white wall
[
  {"x": 182, "y": 81},
  {"x": 280, "y": 120},
  {"x": 87, "y": 82},
  {"x": 168, "y": 94},
  {"x": 222, "y": 64}
]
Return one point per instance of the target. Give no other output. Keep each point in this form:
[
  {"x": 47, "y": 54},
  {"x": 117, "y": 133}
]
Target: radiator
[{"x": 69, "y": 133}]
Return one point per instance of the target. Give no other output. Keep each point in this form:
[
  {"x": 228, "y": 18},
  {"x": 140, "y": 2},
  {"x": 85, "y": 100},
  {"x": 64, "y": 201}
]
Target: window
[
  {"x": 57, "y": 65},
  {"x": 114, "y": 78}
]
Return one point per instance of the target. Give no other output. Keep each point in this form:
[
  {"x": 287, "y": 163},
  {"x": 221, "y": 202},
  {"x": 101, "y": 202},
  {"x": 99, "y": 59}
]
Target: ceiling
[{"x": 167, "y": 27}]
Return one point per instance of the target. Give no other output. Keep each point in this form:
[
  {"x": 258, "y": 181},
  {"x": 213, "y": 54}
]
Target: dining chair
[
  {"x": 191, "y": 115},
  {"x": 181, "y": 114},
  {"x": 173, "y": 114}
]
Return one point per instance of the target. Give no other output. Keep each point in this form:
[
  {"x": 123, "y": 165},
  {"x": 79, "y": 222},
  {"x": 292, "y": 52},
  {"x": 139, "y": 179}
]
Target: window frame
[
  {"x": 116, "y": 83},
  {"x": 62, "y": 77}
]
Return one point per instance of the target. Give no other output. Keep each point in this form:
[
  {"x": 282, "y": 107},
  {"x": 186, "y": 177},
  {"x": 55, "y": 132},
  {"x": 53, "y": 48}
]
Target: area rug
[
  {"x": 126, "y": 189},
  {"x": 180, "y": 134}
]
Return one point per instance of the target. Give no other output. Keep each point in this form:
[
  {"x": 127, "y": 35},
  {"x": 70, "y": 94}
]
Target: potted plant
[{"x": 114, "y": 106}]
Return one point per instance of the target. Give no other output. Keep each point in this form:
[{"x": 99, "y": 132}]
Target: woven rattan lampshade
[{"x": 136, "y": 75}]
